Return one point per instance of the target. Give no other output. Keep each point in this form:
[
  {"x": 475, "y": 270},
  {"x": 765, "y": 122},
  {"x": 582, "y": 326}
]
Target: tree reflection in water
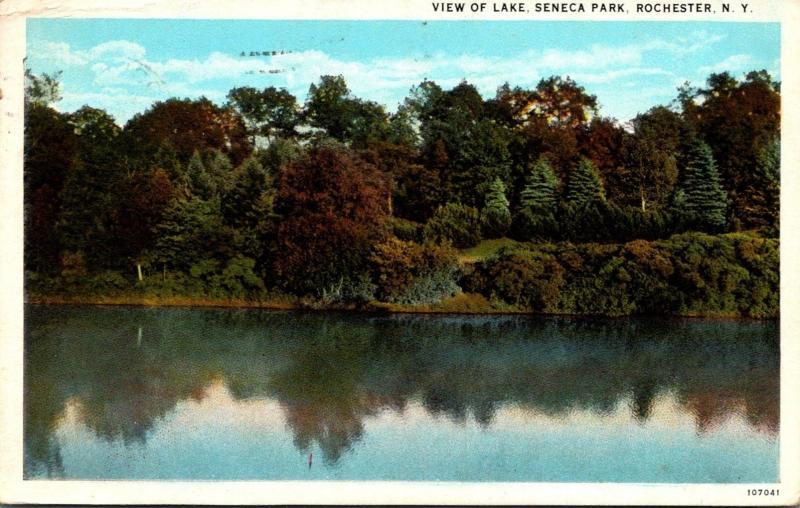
[{"x": 330, "y": 372}]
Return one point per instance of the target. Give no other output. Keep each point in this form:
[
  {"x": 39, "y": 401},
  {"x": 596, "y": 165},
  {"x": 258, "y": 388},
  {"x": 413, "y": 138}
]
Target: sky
[{"x": 124, "y": 65}]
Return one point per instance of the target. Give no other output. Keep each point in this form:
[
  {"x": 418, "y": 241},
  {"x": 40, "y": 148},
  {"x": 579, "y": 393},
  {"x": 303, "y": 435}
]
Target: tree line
[{"x": 331, "y": 196}]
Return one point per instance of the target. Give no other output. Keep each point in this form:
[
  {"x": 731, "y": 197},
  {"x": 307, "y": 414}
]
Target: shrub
[
  {"x": 456, "y": 223},
  {"x": 405, "y": 229},
  {"x": 409, "y": 273},
  {"x": 529, "y": 224},
  {"x": 354, "y": 289},
  {"x": 239, "y": 279},
  {"x": 688, "y": 274},
  {"x": 523, "y": 276}
]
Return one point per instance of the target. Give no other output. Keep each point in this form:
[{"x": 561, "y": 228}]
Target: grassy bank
[
  {"x": 463, "y": 303},
  {"x": 692, "y": 274}
]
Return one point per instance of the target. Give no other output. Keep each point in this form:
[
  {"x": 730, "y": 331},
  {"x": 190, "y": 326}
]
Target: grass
[
  {"x": 485, "y": 249},
  {"x": 158, "y": 301},
  {"x": 462, "y": 303}
]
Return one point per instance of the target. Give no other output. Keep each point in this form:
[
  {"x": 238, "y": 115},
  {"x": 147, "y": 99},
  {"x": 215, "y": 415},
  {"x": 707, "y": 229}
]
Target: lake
[{"x": 219, "y": 394}]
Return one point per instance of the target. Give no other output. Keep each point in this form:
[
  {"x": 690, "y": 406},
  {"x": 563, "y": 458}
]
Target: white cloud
[
  {"x": 62, "y": 53},
  {"x": 117, "y": 50},
  {"x": 214, "y": 66},
  {"x": 732, "y": 64},
  {"x": 131, "y": 79},
  {"x": 595, "y": 57},
  {"x": 682, "y": 46},
  {"x": 59, "y": 52}
]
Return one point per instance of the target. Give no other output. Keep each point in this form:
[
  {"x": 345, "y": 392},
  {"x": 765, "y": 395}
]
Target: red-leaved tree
[{"x": 334, "y": 205}]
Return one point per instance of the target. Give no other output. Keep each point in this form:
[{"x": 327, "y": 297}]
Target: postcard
[{"x": 399, "y": 252}]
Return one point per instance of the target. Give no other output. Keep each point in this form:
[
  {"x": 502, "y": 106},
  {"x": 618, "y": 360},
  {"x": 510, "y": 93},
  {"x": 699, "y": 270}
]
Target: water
[{"x": 133, "y": 393}]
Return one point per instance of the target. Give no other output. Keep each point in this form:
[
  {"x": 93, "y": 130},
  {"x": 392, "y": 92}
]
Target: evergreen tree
[
  {"x": 187, "y": 233},
  {"x": 539, "y": 193},
  {"x": 584, "y": 186},
  {"x": 92, "y": 190},
  {"x": 220, "y": 170},
  {"x": 248, "y": 208},
  {"x": 167, "y": 159},
  {"x": 200, "y": 182},
  {"x": 765, "y": 193},
  {"x": 706, "y": 200},
  {"x": 495, "y": 215},
  {"x": 240, "y": 205},
  {"x": 536, "y": 214}
]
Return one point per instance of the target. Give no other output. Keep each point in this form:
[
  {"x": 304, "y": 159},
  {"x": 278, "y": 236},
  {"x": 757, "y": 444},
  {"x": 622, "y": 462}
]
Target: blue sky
[{"x": 124, "y": 65}]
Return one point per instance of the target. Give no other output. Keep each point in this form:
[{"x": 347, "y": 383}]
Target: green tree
[
  {"x": 357, "y": 122},
  {"x": 584, "y": 186},
  {"x": 766, "y": 190},
  {"x": 495, "y": 216},
  {"x": 93, "y": 190},
  {"x": 539, "y": 193},
  {"x": 248, "y": 209},
  {"x": 401, "y": 128},
  {"x": 270, "y": 112},
  {"x": 538, "y": 200},
  {"x": 219, "y": 169},
  {"x": 455, "y": 223},
  {"x": 49, "y": 154},
  {"x": 467, "y": 148},
  {"x": 328, "y": 106},
  {"x": 188, "y": 233},
  {"x": 706, "y": 200},
  {"x": 736, "y": 119},
  {"x": 167, "y": 159},
  {"x": 279, "y": 153},
  {"x": 42, "y": 90},
  {"x": 655, "y": 152},
  {"x": 200, "y": 182}
]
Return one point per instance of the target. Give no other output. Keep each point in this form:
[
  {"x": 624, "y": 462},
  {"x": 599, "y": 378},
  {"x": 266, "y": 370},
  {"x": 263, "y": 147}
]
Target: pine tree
[
  {"x": 248, "y": 208},
  {"x": 706, "y": 200},
  {"x": 200, "y": 183},
  {"x": 584, "y": 186},
  {"x": 766, "y": 191},
  {"x": 188, "y": 232},
  {"x": 539, "y": 193},
  {"x": 243, "y": 204},
  {"x": 496, "y": 216},
  {"x": 220, "y": 170}
]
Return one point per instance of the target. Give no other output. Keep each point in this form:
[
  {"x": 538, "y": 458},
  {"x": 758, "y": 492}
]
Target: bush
[
  {"x": 405, "y": 229},
  {"x": 455, "y": 223},
  {"x": 356, "y": 289},
  {"x": 529, "y": 224},
  {"x": 238, "y": 279},
  {"x": 409, "y": 273},
  {"x": 688, "y": 274},
  {"x": 431, "y": 287},
  {"x": 529, "y": 279}
]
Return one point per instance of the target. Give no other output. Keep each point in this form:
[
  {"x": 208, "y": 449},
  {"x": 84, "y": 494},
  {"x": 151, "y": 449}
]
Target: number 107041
[{"x": 763, "y": 492}]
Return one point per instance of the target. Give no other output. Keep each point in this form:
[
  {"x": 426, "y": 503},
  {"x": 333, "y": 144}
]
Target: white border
[{"x": 14, "y": 490}]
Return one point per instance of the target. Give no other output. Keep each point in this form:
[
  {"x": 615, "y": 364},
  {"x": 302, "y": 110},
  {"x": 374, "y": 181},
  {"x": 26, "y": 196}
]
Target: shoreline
[{"x": 375, "y": 308}]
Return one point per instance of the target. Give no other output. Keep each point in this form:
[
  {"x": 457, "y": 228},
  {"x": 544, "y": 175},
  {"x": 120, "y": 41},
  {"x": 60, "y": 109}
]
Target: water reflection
[{"x": 123, "y": 376}]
